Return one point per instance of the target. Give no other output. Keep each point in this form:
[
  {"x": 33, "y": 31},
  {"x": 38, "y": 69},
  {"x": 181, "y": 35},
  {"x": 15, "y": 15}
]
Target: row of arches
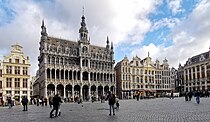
[
  {"x": 76, "y": 75},
  {"x": 85, "y": 62},
  {"x": 70, "y": 91}
]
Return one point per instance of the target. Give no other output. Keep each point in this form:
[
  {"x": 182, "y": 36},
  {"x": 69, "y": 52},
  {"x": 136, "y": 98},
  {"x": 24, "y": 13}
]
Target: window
[
  {"x": 17, "y": 92},
  {"x": 17, "y": 70},
  {"x": 25, "y": 71},
  {"x": 10, "y": 60},
  {"x": 24, "y": 92},
  {"x": 9, "y": 92},
  {"x": 17, "y": 82},
  {"x": 23, "y": 61},
  {"x": 25, "y": 83},
  {"x": 16, "y": 60},
  {"x": 9, "y": 69},
  {"x": 9, "y": 82}
]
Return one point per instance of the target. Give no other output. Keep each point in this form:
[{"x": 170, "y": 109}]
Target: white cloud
[
  {"x": 190, "y": 37},
  {"x": 121, "y": 20},
  {"x": 175, "y": 6},
  {"x": 168, "y": 22}
]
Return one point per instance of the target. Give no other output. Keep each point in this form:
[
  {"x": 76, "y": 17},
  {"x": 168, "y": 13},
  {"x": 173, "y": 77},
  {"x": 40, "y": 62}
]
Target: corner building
[
  {"x": 16, "y": 75},
  {"x": 197, "y": 73},
  {"x": 75, "y": 69}
]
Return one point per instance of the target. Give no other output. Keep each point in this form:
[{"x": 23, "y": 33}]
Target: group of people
[{"x": 190, "y": 94}]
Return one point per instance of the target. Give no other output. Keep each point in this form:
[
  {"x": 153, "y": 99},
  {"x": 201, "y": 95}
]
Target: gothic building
[{"x": 74, "y": 69}]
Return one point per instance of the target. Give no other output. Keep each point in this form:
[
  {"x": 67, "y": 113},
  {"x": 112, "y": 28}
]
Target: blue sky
[{"x": 166, "y": 28}]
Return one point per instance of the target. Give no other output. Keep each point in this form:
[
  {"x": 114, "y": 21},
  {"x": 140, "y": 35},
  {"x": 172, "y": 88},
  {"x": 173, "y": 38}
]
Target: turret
[
  {"x": 44, "y": 31},
  {"x": 107, "y": 43}
]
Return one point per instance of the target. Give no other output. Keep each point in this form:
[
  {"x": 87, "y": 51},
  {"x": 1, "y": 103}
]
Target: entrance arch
[
  {"x": 112, "y": 89},
  {"x": 85, "y": 93},
  {"x": 60, "y": 90},
  {"x": 50, "y": 90},
  {"x": 100, "y": 91},
  {"x": 106, "y": 89},
  {"x": 93, "y": 90},
  {"x": 68, "y": 91}
]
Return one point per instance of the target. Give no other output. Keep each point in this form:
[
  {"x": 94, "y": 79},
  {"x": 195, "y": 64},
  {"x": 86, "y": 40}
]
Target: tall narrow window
[
  {"x": 17, "y": 70},
  {"x": 25, "y": 83},
  {"x": 17, "y": 82},
  {"x": 25, "y": 71}
]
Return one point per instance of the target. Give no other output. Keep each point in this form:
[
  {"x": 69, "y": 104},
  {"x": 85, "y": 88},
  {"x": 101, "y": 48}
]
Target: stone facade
[
  {"x": 142, "y": 77},
  {"x": 16, "y": 75},
  {"x": 74, "y": 69},
  {"x": 196, "y": 72}
]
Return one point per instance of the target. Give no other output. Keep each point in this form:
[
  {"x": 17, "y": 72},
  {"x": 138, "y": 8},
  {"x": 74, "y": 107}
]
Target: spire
[
  {"x": 44, "y": 31},
  {"x": 112, "y": 46},
  {"x": 83, "y": 30},
  {"x": 148, "y": 53},
  {"x": 107, "y": 40}
]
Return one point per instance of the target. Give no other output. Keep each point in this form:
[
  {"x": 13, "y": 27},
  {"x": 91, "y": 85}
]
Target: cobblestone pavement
[{"x": 153, "y": 110}]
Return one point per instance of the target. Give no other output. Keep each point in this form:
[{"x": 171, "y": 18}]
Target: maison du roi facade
[
  {"x": 142, "y": 76},
  {"x": 15, "y": 75},
  {"x": 195, "y": 74},
  {"x": 74, "y": 69}
]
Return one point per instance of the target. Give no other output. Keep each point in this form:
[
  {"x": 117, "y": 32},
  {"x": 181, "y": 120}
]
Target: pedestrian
[
  {"x": 117, "y": 103},
  {"x": 190, "y": 95},
  {"x": 172, "y": 95},
  {"x": 197, "y": 95},
  {"x": 111, "y": 101},
  {"x": 50, "y": 102},
  {"x": 186, "y": 96},
  {"x": 9, "y": 101},
  {"x": 56, "y": 103},
  {"x": 137, "y": 96},
  {"x": 25, "y": 103}
]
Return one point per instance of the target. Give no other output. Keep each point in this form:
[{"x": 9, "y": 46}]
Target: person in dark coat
[
  {"x": 190, "y": 94},
  {"x": 56, "y": 103},
  {"x": 111, "y": 100},
  {"x": 9, "y": 101},
  {"x": 25, "y": 103}
]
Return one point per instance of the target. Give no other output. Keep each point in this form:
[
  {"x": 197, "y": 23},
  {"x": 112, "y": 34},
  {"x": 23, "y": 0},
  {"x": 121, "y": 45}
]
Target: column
[
  {"x": 50, "y": 74},
  {"x": 205, "y": 74},
  {"x": 55, "y": 89},
  {"x": 45, "y": 90},
  {"x": 96, "y": 92},
  {"x": 55, "y": 74},
  {"x": 131, "y": 94},
  {"x": 64, "y": 91},
  {"x": 72, "y": 92},
  {"x": 59, "y": 74},
  {"x": 103, "y": 91},
  {"x": 89, "y": 92},
  {"x": 81, "y": 91},
  {"x": 196, "y": 73}
]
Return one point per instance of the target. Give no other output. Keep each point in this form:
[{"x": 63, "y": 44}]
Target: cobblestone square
[{"x": 153, "y": 110}]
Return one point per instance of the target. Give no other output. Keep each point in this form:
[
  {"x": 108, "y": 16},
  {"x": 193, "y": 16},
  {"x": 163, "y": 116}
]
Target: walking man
[
  {"x": 25, "y": 103},
  {"x": 111, "y": 99},
  {"x": 56, "y": 103}
]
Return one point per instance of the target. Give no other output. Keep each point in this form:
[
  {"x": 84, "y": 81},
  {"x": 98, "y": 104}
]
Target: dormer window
[
  {"x": 202, "y": 58},
  {"x": 84, "y": 49}
]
